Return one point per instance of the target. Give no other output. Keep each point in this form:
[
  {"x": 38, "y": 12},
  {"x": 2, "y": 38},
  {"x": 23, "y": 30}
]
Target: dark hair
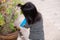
[{"x": 30, "y": 12}]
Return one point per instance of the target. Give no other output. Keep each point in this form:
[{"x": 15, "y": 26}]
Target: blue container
[{"x": 23, "y": 23}]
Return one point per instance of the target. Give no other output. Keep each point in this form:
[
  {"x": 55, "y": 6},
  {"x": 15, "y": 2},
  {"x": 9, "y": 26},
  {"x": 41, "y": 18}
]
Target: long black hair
[{"x": 30, "y": 12}]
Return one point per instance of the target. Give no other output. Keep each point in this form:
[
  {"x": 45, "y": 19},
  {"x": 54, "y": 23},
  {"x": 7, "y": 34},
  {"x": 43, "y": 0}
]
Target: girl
[{"x": 34, "y": 21}]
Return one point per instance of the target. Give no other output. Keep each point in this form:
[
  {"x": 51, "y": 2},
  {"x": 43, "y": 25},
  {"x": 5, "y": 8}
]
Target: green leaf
[
  {"x": 1, "y": 19},
  {"x": 9, "y": 11},
  {"x": 15, "y": 2},
  {"x": 15, "y": 16},
  {"x": 12, "y": 27}
]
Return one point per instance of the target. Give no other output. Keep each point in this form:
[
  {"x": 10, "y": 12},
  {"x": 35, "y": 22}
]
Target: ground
[{"x": 50, "y": 10}]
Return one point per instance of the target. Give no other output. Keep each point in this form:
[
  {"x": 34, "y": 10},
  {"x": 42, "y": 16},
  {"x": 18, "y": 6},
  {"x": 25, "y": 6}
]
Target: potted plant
[{"x": 8, "y": 15}]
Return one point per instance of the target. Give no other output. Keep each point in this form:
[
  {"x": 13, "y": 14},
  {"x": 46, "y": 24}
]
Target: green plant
[{"x": 8, "y": 15}]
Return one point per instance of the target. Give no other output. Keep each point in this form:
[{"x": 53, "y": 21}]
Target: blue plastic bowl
[{"x": 23, "y": 23}]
